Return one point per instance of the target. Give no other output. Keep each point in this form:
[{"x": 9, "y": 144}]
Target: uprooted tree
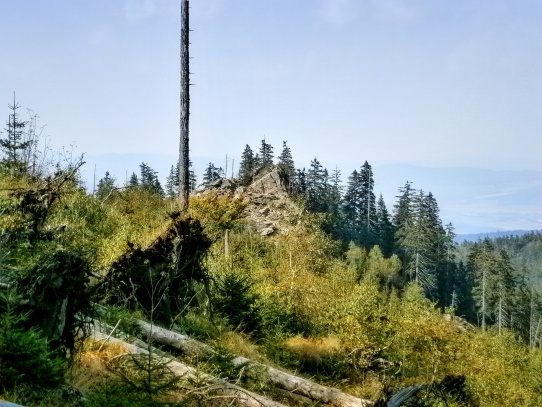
[{"x": 163, "y": 278}]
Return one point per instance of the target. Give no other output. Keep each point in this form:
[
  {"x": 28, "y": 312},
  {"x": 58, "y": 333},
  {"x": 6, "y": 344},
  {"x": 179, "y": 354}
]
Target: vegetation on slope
[{"x": 353, "y": 316}]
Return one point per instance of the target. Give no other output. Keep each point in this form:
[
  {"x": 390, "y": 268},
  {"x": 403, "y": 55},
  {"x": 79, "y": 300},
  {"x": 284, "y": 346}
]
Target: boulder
[{"x": 267, "y": 231}]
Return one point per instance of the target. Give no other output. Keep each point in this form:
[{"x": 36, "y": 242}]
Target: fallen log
[
  {"x": 279, "y": 378},
  {"x": 236, "y": 394}
]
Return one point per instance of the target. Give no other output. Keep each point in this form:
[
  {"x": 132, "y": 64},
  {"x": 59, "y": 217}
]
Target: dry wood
[
  {"x": 236, "y": 394},
  {"x": 279, "y": 378}
]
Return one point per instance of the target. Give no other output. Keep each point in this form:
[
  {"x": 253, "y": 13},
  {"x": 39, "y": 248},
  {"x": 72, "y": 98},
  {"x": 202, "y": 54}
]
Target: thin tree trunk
[
  {"x": 531, "y": 317},
  {"x": 483, "y": 300},
  {"x": 417, "y": 265},
  {"x": 227, "y": 244},
  {"x": 184, "y": 172},
  {"x": 500, "y": 314}
]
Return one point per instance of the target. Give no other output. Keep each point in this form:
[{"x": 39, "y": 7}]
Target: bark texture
[
  {"x": 279, "y": 378},
  {"x": 216, "y": 387},
  {"x": 184, "y": 172}
]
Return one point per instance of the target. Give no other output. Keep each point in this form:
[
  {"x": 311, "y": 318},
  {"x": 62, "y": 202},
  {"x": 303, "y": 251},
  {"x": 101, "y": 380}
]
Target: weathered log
[
  {"x": 237, "y": 394},
  {"x": 279, "y": 378}
]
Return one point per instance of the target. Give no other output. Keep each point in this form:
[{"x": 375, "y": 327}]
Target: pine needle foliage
[{"x": 25, "y": 356}]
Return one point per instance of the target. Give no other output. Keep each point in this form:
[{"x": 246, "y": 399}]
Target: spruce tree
[
  {"x": 317, "y": 186},
  {"x": 105, "y": 186},
  {"x": 420, "y": 237},
  {"x": 384, "y": 228},
  {"x": 368, "y": 206},
  {"x": 286, "y": 165},
  {"x": 505, "y": 285},
  {"x": 481, "y": 266},
  {"x": 446, "y": 275},
  {"x": 351, "y": 207},
  {"x": 172, "y": 182},
  {"x": 403, "y": 221},
  {"x": 461, "y": 299},
  {"x": 334, "y": 199},
  {"x": 133, "y": 181},
  {"x": 266, "y": 155},
  {"x": 247, "y": 167},
  {"x": 14, "y": 145},
  {"x": 212, "y": 173},
  {"x": 149, "y": 180},
  {"x": 300, "y": 183},
  {"x": 526, "y": 309}
]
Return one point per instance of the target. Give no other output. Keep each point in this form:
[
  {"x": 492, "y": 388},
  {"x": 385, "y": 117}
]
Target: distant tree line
[{"x": 488, "y": 289}]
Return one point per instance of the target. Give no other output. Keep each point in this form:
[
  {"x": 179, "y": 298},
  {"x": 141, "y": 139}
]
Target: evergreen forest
[{"x": 280, "y": 274}]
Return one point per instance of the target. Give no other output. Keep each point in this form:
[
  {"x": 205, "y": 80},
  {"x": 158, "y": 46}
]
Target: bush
[
  {"x": 236, "y": 302},
  {"x": 25, "y": 357}
]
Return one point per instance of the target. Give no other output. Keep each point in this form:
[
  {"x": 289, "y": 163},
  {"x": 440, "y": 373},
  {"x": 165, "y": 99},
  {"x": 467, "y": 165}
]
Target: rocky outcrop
[
  {"x": 270, "y": 209},
  {"x": 269, "y": 182}
]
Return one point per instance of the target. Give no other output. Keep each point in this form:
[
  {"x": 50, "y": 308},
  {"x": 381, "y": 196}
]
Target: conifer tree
[
  {"x": 247, "y": 167},
  {"x": 13, "y": 146},
  {"x": 317, "y": 186},
  {"x": 419, "y": 237},
  {"x": 505, "y": 285},
  {"x": 368, "y": 206},
  {"x": 384, "y": 228},
  {"x": 403, "y": 221},
  {"x": 526, "y": 309},
  {"x": 352, "y": 207},
  {"x": 105, "y": 186},
  {"x": 286, "y": 165},
  {"x": 482, "y": 266},
  {"x": 266, "y": 155},
  {"x": 461, "y": 299},
  {"x": 149, "y": 180},
  {"x": 212, "y": 173},
  {"x": 257, "y": 163},
  {"x": 172, "y": 181},
  {"x": 133, "y": 181},
  {"x": 334, "y": 198},
  {"x": 300, "y": 183},
  {"x": 446, "y": 276}
]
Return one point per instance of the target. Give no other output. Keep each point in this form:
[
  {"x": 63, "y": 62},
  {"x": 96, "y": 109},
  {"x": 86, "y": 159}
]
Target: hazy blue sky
[{"x": 432, "y": 82}]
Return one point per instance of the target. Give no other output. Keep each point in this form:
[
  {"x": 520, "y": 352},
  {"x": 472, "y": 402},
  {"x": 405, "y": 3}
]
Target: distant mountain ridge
[
  {"x": 475, "y": 200},
  {"x": 474, "y": 237}
]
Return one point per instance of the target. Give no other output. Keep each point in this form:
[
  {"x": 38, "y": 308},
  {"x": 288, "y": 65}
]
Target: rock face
[
  {"x": 270, "y": 209},
  {"x": 269, "y": 182}
]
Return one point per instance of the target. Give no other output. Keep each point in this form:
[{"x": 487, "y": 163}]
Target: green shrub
[
  {"x": 236, "y": 302},
  {"x": 198, "y": 326},
  {"x": 25, "y": 357}
]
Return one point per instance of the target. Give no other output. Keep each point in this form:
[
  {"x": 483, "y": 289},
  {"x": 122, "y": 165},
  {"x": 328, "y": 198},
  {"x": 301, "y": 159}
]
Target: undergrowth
[{"x": 296, "y": 300}]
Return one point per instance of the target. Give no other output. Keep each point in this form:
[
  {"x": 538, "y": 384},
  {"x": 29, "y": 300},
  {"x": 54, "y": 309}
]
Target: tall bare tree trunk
[{"x": 184, "y": 176}]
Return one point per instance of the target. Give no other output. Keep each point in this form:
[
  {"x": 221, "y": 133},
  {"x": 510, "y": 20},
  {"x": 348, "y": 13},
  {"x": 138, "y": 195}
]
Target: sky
[{"x": 421, "y": 82}]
